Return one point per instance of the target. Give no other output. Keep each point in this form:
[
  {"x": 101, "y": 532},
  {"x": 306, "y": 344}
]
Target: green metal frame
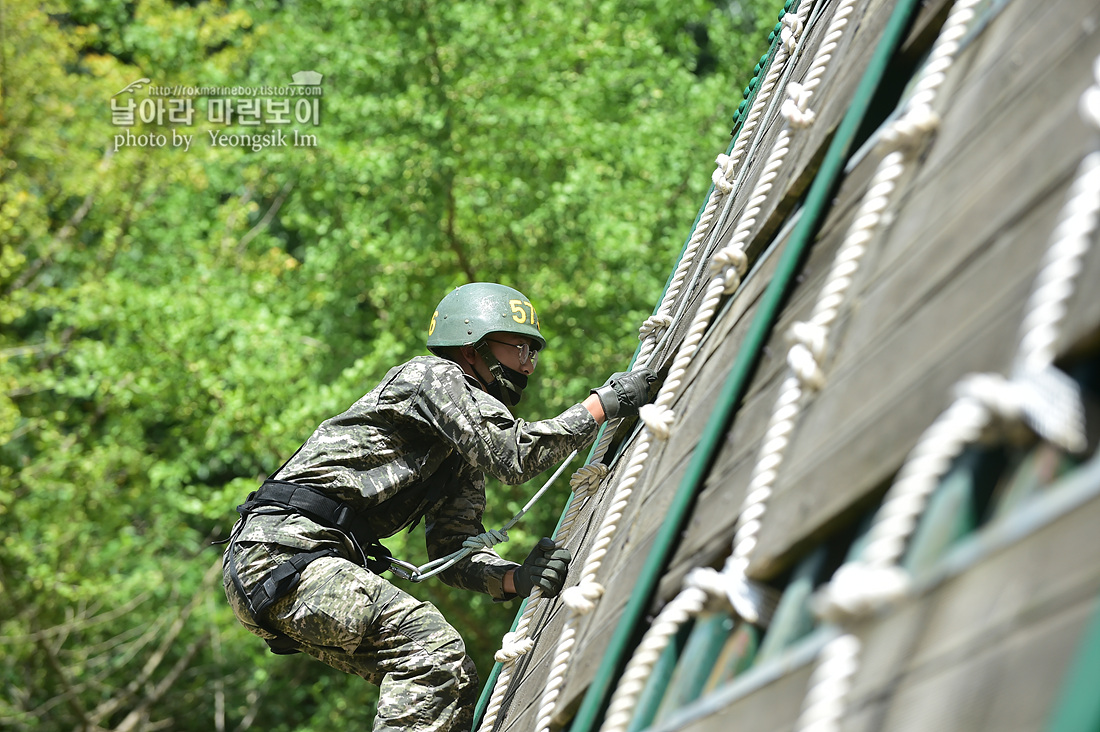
[{"x": 1078, "y": 708}]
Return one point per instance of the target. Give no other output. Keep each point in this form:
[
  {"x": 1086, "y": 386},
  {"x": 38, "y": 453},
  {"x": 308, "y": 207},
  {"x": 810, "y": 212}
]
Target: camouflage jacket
[{"x": 419, "y": 445}]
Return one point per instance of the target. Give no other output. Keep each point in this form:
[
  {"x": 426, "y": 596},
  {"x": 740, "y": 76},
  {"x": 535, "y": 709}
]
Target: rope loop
[
  {"x": 514, "y": 646},
  {"x": 731, "y": 264},
  {"x": 587, "y": 479},
  {"x": 858, "y": 588},
  {"x": 582, "y": 598},
  {"x": 716, "y": 584},
  {"x": 811, "y": 335},
  {"x": 721, "y": 176},
  {"x": 807, "y": 349},
  {"x": 795, "y": 108},
  {"x": 912, "y": 128},
  {"x": 654, "y": 326},
  {"x": 994, "y": 392},
  {"x": 748, "y": 600},
  {"x": 792, "y": 31},
  {"x": 658, "y": 419},
  {"x": 487, "y": 540}
]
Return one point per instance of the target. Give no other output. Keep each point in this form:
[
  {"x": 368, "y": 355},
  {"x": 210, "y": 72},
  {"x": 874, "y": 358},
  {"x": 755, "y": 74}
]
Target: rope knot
[
  {"x": 1046, "y": 400},
  {"x": 513, "y": 646},
  {"x": 750, "y": 600},
  {"x": 654, "y": 325},
  {"x": 658, "y": 419},
  {"x": 858, "y": 588},
  {"x": 996, "y": 393},
  {"x": 807, "y": 349},
  {"x": 731, "y": 264},
  {"x": 582, "y": 598},
  {"x": 913, "y": 127},
  {"x": 587, "y": 479},
  {"x": 487, "y": 540},
  {"x": 721, "y": 176},
  {"x": 792, "y": 31},
  {"x": 794, "y": 109},
  {"x": 709, "y": 580}
]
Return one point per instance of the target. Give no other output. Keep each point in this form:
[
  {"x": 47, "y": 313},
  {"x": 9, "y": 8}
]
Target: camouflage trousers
[{"x": 353, "y": 620}]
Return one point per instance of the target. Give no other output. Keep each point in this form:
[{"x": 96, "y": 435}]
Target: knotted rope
[{"x": 1037, "y": 395}]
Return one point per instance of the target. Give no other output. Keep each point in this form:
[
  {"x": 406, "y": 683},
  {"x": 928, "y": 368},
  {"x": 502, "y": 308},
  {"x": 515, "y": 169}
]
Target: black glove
[
  {"x": 625, "y": 393},
  {"x": 545, "y": 567}
]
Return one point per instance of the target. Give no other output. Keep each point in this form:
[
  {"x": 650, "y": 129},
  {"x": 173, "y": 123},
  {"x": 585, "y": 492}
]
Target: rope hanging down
[
  {"x": 727, "y": 268},
  {"x": 585, "y": 482},
  {"x": 651, "y": 332},
  {"x": 731, "y": 587},
  {"x": 1037, "y": 396}
]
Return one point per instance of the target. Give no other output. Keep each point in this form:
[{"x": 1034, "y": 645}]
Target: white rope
[
  {"x": 797, "y": 107},
  {"x": 830, "y": 683},
  {"x": 1030, "y": 397},
  {"x": 582, "y": 598},
  {"x": 585, "y": 482},
  {"x": 687, "y": 604},
  {"x": 659, "y": 416},
  {"x": 1063, "y": 262},
  {"x": 1037, "y": 394},
  {"x": 746, "y": 598},
  {"x": 657, "y": 324}
]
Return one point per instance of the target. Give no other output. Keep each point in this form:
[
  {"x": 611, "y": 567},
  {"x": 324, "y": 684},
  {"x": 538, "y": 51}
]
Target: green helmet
[{"x": 469, "y": 313}]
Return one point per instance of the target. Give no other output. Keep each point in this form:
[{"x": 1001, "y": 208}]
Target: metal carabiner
[{"x": 405, "y": 570}]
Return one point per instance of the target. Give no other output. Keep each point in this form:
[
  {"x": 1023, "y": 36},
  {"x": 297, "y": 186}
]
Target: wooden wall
[{"x": 940, "y": 294}]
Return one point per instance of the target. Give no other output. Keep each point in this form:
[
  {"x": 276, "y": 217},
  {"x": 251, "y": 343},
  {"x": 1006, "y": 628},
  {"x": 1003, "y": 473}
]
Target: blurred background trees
[{"x": 173, "y": 323}]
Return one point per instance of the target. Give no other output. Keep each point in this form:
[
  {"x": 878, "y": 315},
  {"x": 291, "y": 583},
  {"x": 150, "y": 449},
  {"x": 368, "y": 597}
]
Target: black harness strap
[
  {"x": 281, "y": 497},
  {"x": 279, "y": 583}
]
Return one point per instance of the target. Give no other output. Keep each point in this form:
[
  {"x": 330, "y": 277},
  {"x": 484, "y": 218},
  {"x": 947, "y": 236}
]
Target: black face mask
[
  {"x": 512, "y": 386},
  {"x": 508, "y": 384}
]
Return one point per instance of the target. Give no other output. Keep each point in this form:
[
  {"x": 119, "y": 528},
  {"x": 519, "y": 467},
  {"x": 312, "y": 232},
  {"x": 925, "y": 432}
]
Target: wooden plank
[
  {"x": 831, "y": 102},
  {"x": 1004, "y": 687},
  {"x": 877, "y": 405},
  {"x": 985, "y": 648},
  {"x": 982, "y": 644},
  {"x": 833, "y": 96},
  {"x": 720, "y": 498},
  {"x": 708, "y": 536},
  {"x": 862, "y": 400},
  {"x": 774, "y": 706},
  {"x": 1047, "y": 136},
  {"x": 702, "y": 545},
  {"x": 594, "y": 637},
  {"x": 629, "y": 549}
]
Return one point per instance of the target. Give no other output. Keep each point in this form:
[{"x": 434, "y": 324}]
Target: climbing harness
[{"x": 276, "y": 497}]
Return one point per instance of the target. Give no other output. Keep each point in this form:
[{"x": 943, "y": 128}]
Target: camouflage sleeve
[
  {"x": 482, "y": 429},
  {"x": 453, "y": 520}
]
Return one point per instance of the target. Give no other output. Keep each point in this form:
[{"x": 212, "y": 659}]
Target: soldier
[{"x": 303, "y": 566}]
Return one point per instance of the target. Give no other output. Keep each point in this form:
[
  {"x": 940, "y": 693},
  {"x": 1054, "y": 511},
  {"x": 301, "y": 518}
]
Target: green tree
[{"x": 174, "y": 322}]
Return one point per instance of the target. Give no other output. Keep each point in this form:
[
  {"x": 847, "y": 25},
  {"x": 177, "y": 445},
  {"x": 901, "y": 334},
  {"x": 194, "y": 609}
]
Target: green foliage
[{"x": 174, "y": 322}]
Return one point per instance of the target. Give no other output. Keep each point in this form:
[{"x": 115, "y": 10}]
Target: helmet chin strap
[{"x": 508, "y": 384}]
